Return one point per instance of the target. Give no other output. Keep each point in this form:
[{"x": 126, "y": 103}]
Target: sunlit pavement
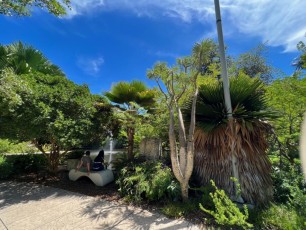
[{"x": 26, "y": 206}]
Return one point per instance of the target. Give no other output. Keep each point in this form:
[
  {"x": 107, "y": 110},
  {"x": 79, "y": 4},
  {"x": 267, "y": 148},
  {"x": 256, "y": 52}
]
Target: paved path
[{"x": 26, "y": 206}]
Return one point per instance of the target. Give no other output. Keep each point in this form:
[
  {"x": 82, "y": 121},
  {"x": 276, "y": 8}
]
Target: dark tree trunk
[{"x": 130, "y": 133}]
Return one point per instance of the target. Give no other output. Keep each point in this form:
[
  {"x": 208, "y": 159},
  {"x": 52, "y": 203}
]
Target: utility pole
[{"x": 227, "y": 96}]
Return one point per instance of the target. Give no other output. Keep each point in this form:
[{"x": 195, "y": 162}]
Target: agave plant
[{"x": 216, "y": 138}]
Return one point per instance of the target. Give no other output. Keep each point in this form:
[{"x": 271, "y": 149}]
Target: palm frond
[{"x": 217, "y": 139}]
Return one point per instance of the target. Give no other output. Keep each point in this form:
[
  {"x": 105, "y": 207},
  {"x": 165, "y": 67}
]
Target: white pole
[{"x": 227, "y": 96}]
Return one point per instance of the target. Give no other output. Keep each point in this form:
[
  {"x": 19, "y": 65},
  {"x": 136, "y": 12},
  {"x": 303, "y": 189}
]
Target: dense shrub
[
  {"x": 289, "y": 210},
  {"x": 148, "y": 180},
  {"x": 6, "y": 167},
  {"x": 7, "y": 146},
  {"x": 287, "y": 180},
  {"x": 281, "y": 217},
  {"x": 28, "y": 163}
]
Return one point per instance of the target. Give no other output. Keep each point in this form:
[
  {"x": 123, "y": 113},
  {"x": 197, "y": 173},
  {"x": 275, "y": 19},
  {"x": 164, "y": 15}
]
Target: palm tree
[
  {"x": 129, "y": 97},
  {"x": 214, "y": 137},
  {"x": 300, "y": 61},
  {"x": 25, "y": 59}
]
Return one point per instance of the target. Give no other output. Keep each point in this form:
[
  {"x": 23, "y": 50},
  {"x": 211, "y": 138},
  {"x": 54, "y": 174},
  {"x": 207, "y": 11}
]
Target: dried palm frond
[{"x": 216, "y": 139}]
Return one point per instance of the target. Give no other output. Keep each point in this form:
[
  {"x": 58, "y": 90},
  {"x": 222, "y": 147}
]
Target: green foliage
[
  {"x": 226, "y": 212},
  {"x": 175, "y": 84},
  {"x": 289, "y": 211},
  {"x": 287, "y": 180},
  {"x": 123, "y": 93},
  {"x": 300, "y": 62},
  {"x": 287, "y": 96},
  {"x": 133, "y": 99},
  {"x": 7, "y": 146},
  {"x": 41, "y": 105},
  {"x": 148, "y": 180},
  {"x": 22, "y": 7},
  {"x": 28, "y": 163},
  {"x": 248, "y": 102},
  {"x": 254, "y": 64},
  {"x": 6, "y": 167},
  {"x": 281, "y": 217},
  {"x": 24, "y": 59},
  {"x": 180, "y": 209}
]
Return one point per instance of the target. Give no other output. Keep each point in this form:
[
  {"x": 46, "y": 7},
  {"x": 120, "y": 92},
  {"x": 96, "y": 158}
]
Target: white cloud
[
  {"x": 90, "y": 66},
  {"x": 280, "y": 22}
]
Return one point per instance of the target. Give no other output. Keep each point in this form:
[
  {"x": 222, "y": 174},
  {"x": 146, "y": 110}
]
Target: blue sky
[{"x": 101, "y": 42}]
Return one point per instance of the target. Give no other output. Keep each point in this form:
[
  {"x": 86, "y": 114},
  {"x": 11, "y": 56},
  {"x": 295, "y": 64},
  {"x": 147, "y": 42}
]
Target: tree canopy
[
  {"x": 23, "y": 7},
  {"x": 39, "y": 104},
  {"x": 25, "y": 59},
  {"x": 288, "y": 97},
  {"x": 133, "y": 99},
  {"x": 175, "y": 83},
  {"x": 254, "y": 64}
]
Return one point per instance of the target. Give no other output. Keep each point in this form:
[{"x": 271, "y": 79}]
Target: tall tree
[
  {"x": 56, "y": 115},
  {"x": 254, "y": 64},
  {"x": 177, "y": 82},
  {"x": 131, "y": 98},
  {"x": 300, "y": 62},
  {"x": 23, "y": 7},
  {"x": 48, "y": 110},
  {"x": 216, "y": 141}
]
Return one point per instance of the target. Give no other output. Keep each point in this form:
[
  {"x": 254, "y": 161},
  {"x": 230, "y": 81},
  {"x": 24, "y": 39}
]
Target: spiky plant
[
  {"x": 216, "y": 138},
  {"x": 25, "y": 59}
]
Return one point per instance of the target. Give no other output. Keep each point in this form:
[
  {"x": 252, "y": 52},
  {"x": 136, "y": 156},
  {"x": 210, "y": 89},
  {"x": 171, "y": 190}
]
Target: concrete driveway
[{"x": 25, "y": 206}]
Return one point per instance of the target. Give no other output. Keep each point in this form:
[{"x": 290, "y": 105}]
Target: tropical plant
[
  {"x": 25, "y": 59},
  {"x": 147, "y": 180},
  {"x": 180, "y": 82},
  {"x": 133, "y": 99},
  {"x": 216, "y": 139},
  {"x": 22, "y": 7}
]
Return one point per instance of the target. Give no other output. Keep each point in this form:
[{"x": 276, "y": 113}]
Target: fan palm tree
[
  {"x": 129, "y": 97},
  {"x": 25, "y": 59},
  {"x": 214, "y": 137}
]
